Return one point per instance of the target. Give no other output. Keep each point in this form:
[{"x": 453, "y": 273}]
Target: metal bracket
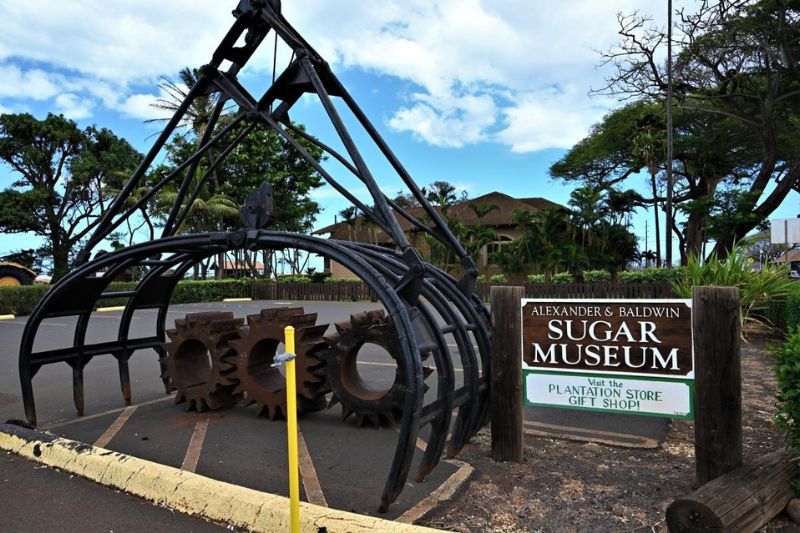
[{"x": 281, "y": 358}]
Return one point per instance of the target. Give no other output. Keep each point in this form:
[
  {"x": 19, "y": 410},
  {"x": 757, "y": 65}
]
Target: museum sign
[{"x": 627, "y": 356}]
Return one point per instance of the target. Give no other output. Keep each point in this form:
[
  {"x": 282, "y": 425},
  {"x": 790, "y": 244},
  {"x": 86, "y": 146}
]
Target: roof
[
  {"x": 500, "y": 217},
  {"x": 794, "y": 255}
]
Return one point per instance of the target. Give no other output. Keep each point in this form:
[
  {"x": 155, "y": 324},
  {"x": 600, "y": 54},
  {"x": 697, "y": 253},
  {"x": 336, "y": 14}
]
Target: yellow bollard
[{"x": 291, "y": 422}]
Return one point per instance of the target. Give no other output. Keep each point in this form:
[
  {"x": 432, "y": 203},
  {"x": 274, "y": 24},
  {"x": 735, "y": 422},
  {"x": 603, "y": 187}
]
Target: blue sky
[{"x": 484, "y": 94}]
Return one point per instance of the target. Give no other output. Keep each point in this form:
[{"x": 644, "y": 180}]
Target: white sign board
[
  {"x": 618, "y": 355},
  {"x": 784, "y": 231},
  {"x": 638, "y": 396}
]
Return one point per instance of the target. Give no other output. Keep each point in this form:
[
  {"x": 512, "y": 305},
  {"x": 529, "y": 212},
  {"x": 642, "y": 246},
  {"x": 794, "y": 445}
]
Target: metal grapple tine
[
  {"x": 470, "y": 412},
  {"x": 124, "y": 378},
  {"x": 77, "y": 387},
  {"x": 444, "y": 393}
]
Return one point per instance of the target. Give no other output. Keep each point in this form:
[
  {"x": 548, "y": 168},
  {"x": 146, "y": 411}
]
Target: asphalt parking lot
[
  {"x": 342, "y": 466},
  {"x": 345, "y": 468}
]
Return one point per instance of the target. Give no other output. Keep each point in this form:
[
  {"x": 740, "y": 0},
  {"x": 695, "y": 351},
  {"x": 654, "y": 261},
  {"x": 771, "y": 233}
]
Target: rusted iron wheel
[
  {"x": 195, "y": 362},
  {"x": 367, "y": 404},
  {"x": 255, "y": 347}
]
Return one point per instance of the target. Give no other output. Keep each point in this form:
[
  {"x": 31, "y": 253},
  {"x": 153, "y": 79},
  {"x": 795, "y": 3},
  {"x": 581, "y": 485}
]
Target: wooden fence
[
  {"x": 587, "y": 290},
  {"x": 329, "y": 292},
  {"x": 351, "y": 292}
]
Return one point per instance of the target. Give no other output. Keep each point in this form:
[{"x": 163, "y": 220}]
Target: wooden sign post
[
  {"x": 624, "y": 356},
  {"x": 718, "y": 381},
  {"x": 506, "y": 374}
]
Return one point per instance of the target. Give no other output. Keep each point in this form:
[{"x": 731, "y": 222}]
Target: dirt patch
[{"x": 572, "y": 486}]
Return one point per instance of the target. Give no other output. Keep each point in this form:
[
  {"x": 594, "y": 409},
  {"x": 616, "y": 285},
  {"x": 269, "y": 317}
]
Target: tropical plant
[
  {"x": 787, "y": 370},
  {"x": 757, "y": 288}
]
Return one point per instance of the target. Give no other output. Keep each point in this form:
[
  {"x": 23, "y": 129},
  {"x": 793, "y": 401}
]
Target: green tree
[
  {"x": 62, "y": 177},
  {"x": 264, "y": 155},
  {"x": 737, "y": 91}
]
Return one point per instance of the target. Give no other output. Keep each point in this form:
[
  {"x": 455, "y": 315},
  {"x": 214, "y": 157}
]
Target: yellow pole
[{"x": 291, "y": 420}]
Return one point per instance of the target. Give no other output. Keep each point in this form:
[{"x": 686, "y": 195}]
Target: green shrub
[
  {"x": 292, "y": 278},
  {"x": 20, "y": 300},
  {"x": 191, "y": 291},
  {"x": 536, "y": 278},
  {"x": 785, "y": 313},
  {"x": 342, "y": 280},
  {"x": 787, "y": 369},
  {"x": 563, "y": 277},
  {"x": 630, "y": 276},
  {"x": 319, "y": 277},
  {"x": 498, "y": 278},
  {"x": 758, "y": 289},
  {"x": 596, "y": 276},
  {"x": 651, "y": 275}
]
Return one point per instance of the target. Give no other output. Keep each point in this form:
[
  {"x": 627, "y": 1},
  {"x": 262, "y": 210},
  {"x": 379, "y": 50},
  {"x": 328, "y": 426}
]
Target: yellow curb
[
  {"x": 185, "y": 491},
  {"x": 237, "y": 300},
  {"x": 107, "y": 309},
  {"x": 7, "y": 317}
]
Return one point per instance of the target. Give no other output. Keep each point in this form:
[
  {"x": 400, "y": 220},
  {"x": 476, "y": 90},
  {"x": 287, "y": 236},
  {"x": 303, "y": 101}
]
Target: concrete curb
[
  {"x": 185, "y": 491},
  {"x": 7, "y": 317}
]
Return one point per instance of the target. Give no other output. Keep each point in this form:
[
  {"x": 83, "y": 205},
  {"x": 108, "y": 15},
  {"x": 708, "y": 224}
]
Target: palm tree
[
  {"x": 196, "y": 119},
  {"x": 588, "y": 209},
  {"x": 349, "y": 215},
  {"x": 478, "y": 236},
  {"x": 646, "y": 146},
  {"x": 197, "y": 116}
]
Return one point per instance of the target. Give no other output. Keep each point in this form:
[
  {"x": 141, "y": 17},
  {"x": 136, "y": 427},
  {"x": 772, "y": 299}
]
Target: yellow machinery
[{"x": 14, "y": 274}]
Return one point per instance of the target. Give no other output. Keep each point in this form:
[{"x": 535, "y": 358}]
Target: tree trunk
[
  {"x": 60, "y": 259},
  {"x": 220, "y": 265}
]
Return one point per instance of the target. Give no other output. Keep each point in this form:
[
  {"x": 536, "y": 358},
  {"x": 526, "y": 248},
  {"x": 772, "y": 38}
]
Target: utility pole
[{"x": 669, "y": 135}]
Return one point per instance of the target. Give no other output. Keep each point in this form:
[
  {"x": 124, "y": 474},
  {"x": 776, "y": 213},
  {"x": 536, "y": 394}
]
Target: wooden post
[
  {"x": 718, "y": 381},
  {"x": 506, "y": 373}
]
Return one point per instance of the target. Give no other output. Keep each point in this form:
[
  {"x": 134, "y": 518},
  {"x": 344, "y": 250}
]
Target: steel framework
[{"x": 425, "y": 304}]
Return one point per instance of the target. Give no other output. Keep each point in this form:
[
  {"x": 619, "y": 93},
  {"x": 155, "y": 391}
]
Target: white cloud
[
  {"x": 73, "y": 106},
  {"x": 482, "y": 70},
  {"x": 34, "y": 83},
  {"x": 114, "y": 39},
  {"x": 549, "y": 119},
  {"x": 465, "y": 54},
  {"x": 140, "y": 106},
  {"x": 436, "y": 120}
]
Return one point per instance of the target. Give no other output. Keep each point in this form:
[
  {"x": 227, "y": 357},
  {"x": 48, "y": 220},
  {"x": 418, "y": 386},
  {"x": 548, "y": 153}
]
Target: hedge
[
  {"x": 21, "y": 300},
  {"x": 787, "y": 370},
  {"x": 785, "y": 314}
]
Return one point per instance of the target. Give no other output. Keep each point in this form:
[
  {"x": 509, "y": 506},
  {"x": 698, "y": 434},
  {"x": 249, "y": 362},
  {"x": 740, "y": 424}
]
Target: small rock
[{"x": 793, "y": 510}]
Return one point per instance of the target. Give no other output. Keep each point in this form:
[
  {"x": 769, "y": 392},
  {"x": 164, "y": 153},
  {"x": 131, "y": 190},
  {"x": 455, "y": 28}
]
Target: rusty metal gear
[
  {"x": 367, "y": 405},
  {"x": 255, "y": 347},
  {"x": 195, "y": 360}
]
